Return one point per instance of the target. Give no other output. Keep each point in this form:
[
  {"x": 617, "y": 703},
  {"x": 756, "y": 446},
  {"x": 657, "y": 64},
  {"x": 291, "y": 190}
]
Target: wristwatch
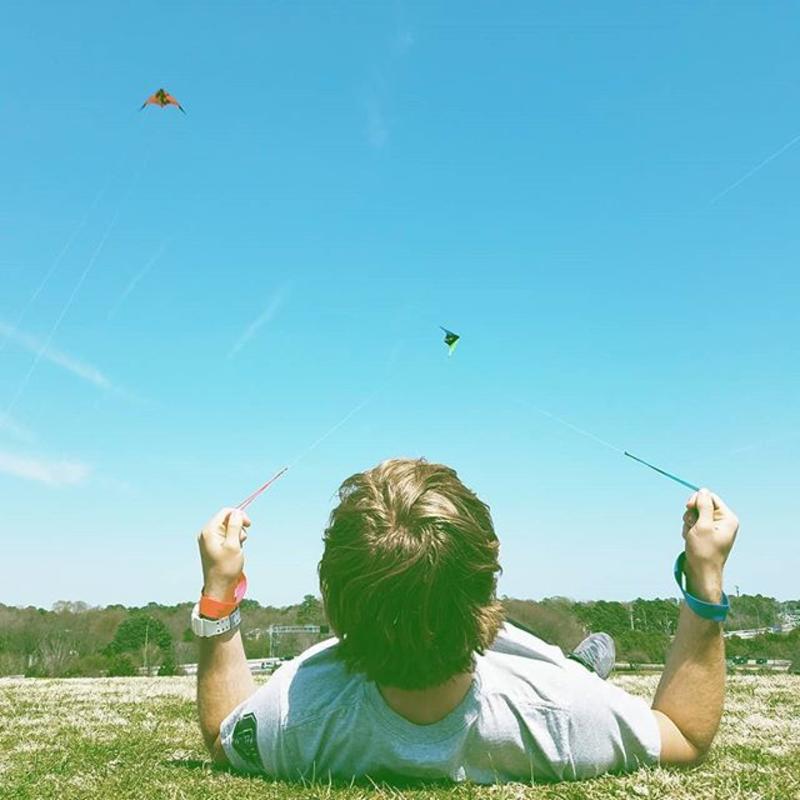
[{"x": 203, "y": 627}]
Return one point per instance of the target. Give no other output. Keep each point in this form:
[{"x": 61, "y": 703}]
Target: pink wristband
[{"x": 212, "y": 608}]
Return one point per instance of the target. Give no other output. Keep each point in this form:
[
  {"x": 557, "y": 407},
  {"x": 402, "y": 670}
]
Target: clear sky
[{"x": 189, "y": 302}]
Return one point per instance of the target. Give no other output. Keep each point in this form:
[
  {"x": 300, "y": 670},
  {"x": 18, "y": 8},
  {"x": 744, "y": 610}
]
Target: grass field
[{"x": 137, "y": 738}]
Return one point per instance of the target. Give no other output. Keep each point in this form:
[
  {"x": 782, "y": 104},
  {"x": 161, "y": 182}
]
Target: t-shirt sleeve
[
  {"x": 611, "y": 730},
  {"x": 251, "y": 734}
]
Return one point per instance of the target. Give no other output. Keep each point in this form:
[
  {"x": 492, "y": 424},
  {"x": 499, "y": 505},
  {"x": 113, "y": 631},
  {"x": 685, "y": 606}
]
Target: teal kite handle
[{"x": 662, "y": 472}]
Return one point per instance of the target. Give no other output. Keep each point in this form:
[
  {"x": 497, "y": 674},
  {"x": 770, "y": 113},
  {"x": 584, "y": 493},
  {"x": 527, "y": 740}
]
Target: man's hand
[
  {"x": 688, "y": 702},
  {"x": 709, "y": 529},
  {"x": 221, "y": 543}
]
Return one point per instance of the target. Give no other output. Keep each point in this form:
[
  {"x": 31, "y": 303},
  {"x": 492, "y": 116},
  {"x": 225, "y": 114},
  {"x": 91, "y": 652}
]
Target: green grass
[{"x": 125, "y": 738}]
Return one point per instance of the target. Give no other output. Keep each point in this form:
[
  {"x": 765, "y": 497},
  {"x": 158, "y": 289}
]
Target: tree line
[{"x": 75, "y": 639}]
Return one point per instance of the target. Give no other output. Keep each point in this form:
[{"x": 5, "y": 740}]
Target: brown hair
[{"x": 409, "y": 574}]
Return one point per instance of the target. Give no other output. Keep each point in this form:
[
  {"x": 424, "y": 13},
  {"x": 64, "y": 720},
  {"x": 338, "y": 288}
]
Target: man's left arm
[
  {"x": 223, "y": 677},
  {"x": 223, "y": 682}
]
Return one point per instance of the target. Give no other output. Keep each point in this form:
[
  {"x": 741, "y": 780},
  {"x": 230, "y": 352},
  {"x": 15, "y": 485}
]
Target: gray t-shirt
[{"x": 531, "y": 714}]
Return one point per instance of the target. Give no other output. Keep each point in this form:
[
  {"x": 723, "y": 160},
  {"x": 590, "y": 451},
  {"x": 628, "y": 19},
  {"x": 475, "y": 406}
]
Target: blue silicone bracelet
[{"x": 713, "y": 611}]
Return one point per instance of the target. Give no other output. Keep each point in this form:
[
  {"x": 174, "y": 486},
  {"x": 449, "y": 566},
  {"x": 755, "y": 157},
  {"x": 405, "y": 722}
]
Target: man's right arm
[{"x": 690, "y": 696}]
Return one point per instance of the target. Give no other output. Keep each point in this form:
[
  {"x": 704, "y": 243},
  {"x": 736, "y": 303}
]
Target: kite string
[
  {"x": 597, "y": 439},
  {"x": 137, "y": 277},
  {"x": 332, "y": 430},
  {"x": 261, "y": 489},
  {"x": 53, "y": 330},
  {"x": 313, "y": 446},
  {"x": 65, "y": 249},
  {"x": 569, "y": 425},
  {"x": 57, "y": 261}
]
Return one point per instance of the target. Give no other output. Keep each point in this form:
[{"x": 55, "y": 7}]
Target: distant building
[
  {"x": 274, "y": 632},
  {"x": 751, "y": 633}
]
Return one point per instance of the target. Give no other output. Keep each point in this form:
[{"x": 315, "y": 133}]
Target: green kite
[{"x": 451, "y": 340}]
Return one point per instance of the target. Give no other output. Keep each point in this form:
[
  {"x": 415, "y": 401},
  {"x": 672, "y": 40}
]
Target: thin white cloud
[
  {"x": 262, "y": 319},
  {"x": 757, "y": 168},
  {"x": 377, "y": 129},
  {"x": 43, "y": 350},
  {"x": 782, "y": 439},
  {"x": 404, "y": 40},
  {"x": 53, "y": 473},
  {"x": 380, "y": 90},
  {"x": 136, "y": 278},
  {"x": 11, "y": 427}
]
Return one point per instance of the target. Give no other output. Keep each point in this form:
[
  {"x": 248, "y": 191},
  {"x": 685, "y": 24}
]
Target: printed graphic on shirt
[{"x": 245, "y": 743}]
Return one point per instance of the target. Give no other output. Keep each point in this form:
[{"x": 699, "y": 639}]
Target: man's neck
[{"x": 426, "y": 706}]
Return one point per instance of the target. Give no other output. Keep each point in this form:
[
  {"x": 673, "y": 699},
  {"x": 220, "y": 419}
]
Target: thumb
[{"x": 705, "y": 509}]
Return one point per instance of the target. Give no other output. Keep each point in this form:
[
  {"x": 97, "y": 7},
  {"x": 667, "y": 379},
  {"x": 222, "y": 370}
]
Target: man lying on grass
[{"x": 424, "y": 679}]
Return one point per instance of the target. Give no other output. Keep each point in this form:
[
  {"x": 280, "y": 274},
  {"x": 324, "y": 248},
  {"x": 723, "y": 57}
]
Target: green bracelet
[{"x": 716, "y": 612}]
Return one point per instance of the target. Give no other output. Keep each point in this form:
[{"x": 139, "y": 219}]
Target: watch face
[{"x": 204, "y": 627}]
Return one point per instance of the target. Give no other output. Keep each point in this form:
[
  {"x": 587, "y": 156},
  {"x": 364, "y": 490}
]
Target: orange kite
[{"x": 162, "y": 98}]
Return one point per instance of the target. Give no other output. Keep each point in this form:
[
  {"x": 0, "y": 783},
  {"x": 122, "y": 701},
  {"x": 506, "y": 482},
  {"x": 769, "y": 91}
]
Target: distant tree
[
  {"x": 121, "y": 666},
  {"x": 168, "y": 665},
  {"x": 12, "y": 664},
  {"x": 70, "y": 607},
  {"x": 771, "y": 645},
  {"x": 256, "y": 647},
  {"x": 555, "y": 623},
  {"x": 794, "y": 666},
  {"x": 310, "y": 611},
  {"x": 91, "y": 665},
  {"x": 52, "y": 658},
  {"x": 655, "y": 616},
  {"x": 287, "y": 645},
  {"x": 753, "y": 611},
  {"x": 611, "y": 617},
  {"x": 138, "y": 630},
  {"x": 643, "y": 647},
  {"x": 637, "y": 657}
]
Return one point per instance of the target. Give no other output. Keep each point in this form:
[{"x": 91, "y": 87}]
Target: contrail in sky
[
  {"x": 58, "y": 259},
  {"x": 755, "y": 169},
  {"x": 765, "y": 442},
  {"x": 266, "y": 315},
  {"x": 44, "y": 350},
  {"x": 13, "y": 428},
  {"x": 75, "y": 290},
  {"x": 55, "y": 473},
  {"x": 46, "y": 345},
  {"x": 136, "y": 278}
]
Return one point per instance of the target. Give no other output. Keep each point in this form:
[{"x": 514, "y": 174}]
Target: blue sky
[{"x": 190, "y": 301}]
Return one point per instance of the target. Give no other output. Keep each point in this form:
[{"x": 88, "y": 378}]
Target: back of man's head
[{"x": 409, "y": 573}]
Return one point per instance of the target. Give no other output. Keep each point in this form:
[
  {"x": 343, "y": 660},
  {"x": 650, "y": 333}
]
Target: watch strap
[
  {"x": 212, "y": 608},
  {"x": 716, "y": 612},
  {"x": 214, "y": 627}
]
